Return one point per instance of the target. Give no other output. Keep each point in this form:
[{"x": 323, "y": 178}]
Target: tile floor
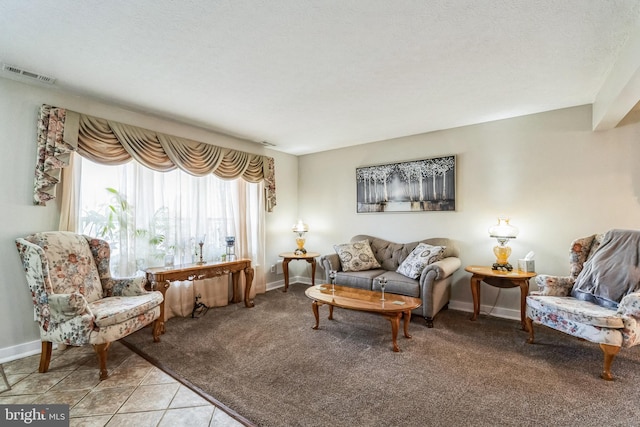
[{"x": 135, "y": 394}]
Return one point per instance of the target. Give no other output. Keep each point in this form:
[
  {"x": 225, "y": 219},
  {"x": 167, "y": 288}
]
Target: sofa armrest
[
  {"x": 63, "y": 307},
  {"x": 443, "y": 268},
  {"x": 557, "y": 286},
  {"x": 330, "y": 262},
  {"x": 124, "y": 287}
]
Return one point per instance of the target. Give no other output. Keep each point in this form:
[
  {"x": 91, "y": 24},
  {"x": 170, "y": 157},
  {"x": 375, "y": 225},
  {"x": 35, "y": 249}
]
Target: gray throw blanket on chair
[{"x": 612, "y": 272}]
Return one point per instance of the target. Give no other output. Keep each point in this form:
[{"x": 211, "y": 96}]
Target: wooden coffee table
[{"x": 392, "y": 308}]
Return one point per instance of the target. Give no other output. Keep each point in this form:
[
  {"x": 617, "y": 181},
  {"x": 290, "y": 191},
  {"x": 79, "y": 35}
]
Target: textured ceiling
[{"x": 310, "y": 76}]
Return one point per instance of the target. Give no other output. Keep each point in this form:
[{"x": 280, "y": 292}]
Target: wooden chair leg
[
  {"x": 45, "y": 356},
  {"x": 529, "y": 324},
  {"x": 610, "y": 352},
  {"x": 156, "y": 330},
  {"x": 101, "y": 351}
]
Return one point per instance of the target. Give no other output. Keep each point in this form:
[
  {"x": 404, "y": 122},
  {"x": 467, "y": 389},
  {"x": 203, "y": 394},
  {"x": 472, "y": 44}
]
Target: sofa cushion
[
  {"x": 398, "y": 284},
  {"x": 356, "y": 256},
  {"x": 358, "y": 279},
  {"x": 419, "y": 258}
]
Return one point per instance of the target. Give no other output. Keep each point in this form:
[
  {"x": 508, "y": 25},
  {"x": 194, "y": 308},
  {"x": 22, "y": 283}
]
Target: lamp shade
[
  {"x": 503, "y": 230},
  {"x": 300, "y": 227}
]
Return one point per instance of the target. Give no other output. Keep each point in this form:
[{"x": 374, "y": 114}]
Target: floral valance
[{"x": 61, "y": 131}]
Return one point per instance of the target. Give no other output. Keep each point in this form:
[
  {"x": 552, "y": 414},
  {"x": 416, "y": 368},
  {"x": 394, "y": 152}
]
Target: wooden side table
[
  {"x": 310, "y": 257},
  {"x": 499, "y": 279}
]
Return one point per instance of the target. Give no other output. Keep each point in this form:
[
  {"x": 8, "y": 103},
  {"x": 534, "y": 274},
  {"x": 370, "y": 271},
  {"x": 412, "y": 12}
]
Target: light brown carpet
[{"x": 268, "y": 365}]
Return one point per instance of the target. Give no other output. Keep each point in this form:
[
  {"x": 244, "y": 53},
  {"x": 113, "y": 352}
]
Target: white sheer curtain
[{"x": 147, "y": 216}]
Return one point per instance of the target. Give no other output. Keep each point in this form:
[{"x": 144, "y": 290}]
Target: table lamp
[
  {"x": 502, "y": 231},
  {"x": 300, "y": 228}
]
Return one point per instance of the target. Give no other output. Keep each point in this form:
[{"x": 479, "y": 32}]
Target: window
[{"x": 147, "y": 215}]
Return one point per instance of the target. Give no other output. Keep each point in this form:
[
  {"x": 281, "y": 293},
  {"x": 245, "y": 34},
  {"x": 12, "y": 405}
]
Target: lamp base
[
  {"x": 502, "y": 267},
  {"x": 300, "y": 251}
]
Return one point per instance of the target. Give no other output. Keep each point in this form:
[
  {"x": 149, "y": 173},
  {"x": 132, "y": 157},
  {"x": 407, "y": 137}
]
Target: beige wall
[
  {"x": 556, "y": 178},
  {"x": 19, "y": 105}
]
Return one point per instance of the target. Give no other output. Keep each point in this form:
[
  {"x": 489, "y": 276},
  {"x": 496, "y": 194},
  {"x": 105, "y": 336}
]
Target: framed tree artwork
[{"x": 413, "y": 186}]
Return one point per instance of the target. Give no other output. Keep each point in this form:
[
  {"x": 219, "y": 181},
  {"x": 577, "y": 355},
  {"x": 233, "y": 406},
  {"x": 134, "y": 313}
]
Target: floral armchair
[
  {"x": 553, "y": 306},
  {"x": 76, "y": 301}
]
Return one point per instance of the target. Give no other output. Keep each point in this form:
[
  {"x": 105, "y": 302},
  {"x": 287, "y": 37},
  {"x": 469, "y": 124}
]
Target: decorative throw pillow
[
  {"x": 419, "y": 258},
  {"x": 356, "y": 256}
]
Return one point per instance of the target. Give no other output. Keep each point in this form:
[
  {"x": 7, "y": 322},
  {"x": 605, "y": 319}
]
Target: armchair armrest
[
  {"x": 443, "y": 268},
  {"x": 67, "y": 306},
  {"x": 558, "y": 286},
  {"x": 124, "y": 287},
  {"x": 630, "y": 305},
  {"x": 629, "y": 311}
]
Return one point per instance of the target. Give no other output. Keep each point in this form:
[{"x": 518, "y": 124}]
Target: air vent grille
[{"x": 28, "y": 74}]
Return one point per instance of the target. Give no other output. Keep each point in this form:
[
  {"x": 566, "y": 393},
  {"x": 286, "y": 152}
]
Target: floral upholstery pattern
[
  {"x": 556, "y": 319},
  {"x": 356, "y": 256},
  {"x": 575, "y": 310},
  {"x": 553, "y": 306},
  {"x": 131, "y": 286},
  {"x": 419, "y": 258},
  {"x": 70, "y": 270},
  {"x": 76, "y": 301}
]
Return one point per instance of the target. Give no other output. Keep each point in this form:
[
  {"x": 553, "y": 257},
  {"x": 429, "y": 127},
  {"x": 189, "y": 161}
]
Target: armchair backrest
[
  {"x": 66, "y": 263},
  {"x": 582, "y": 250}
]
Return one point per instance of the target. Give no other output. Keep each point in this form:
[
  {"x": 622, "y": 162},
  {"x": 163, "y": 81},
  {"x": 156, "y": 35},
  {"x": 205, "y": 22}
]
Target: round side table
[
  {"x": 310, "y": 257},
  {"x": 499, "y": 279}
]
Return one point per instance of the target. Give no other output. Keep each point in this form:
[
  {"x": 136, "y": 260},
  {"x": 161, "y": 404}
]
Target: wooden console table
[{"x": 161, "y": 278}]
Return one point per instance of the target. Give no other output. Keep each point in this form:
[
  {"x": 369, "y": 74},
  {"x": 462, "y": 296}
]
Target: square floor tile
[
  {"x": 187, "y": 417},
  {"x": 150, "y": 398},
  {"x": 102, "y": 402}
]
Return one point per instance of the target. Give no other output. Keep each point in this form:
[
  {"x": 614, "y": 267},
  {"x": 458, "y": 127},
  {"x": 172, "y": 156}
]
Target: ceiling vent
[
  {"x": 19, "y": 72},
  {"x": 267, "y": 144}
]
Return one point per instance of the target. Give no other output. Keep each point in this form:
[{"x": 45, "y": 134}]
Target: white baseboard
[
  {"x": 505, "y": 313},
  {"x": 20, "y": 351},
  {"x": 295, "y": 279}
]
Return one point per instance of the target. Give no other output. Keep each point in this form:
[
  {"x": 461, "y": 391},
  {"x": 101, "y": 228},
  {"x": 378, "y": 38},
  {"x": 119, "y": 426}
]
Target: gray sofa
[{"x": 433, "y": 286}]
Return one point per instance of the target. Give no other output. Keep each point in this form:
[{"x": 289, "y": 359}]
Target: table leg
[
  {"x": 330, "y": 312},
  {"x": 524, "y": 291},
  {"x": 158, "y": 325},
  {"x": 475, "y": 292},
  {"x": 312, "y": 261},
  {"x": 285, "y": 270},
  {"x": 395, "y": 325},
  {"x": 314, "y": 306},
  {"x": 248, "y": 276},
  {"x": 407, "y": 319},
  {"x": 235, "y": 278}
]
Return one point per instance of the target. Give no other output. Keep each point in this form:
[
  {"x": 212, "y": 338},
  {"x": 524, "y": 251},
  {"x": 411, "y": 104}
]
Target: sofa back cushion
[
  {"x": 356, "y": 256},
  {"x": 390, "y": 255},
  {"x": 419, "y": 258}
]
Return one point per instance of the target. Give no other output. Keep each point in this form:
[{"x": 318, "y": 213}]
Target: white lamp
[
  {"x": 300, "y": 228},
  {"x": 503, "y": 232}
]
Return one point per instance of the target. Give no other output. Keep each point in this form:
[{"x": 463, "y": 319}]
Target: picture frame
[{"x": 411, "y": 186}]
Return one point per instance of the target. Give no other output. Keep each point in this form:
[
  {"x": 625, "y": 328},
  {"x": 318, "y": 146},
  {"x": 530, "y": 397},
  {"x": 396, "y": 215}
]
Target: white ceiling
[{"x": 310, "y": 76}]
